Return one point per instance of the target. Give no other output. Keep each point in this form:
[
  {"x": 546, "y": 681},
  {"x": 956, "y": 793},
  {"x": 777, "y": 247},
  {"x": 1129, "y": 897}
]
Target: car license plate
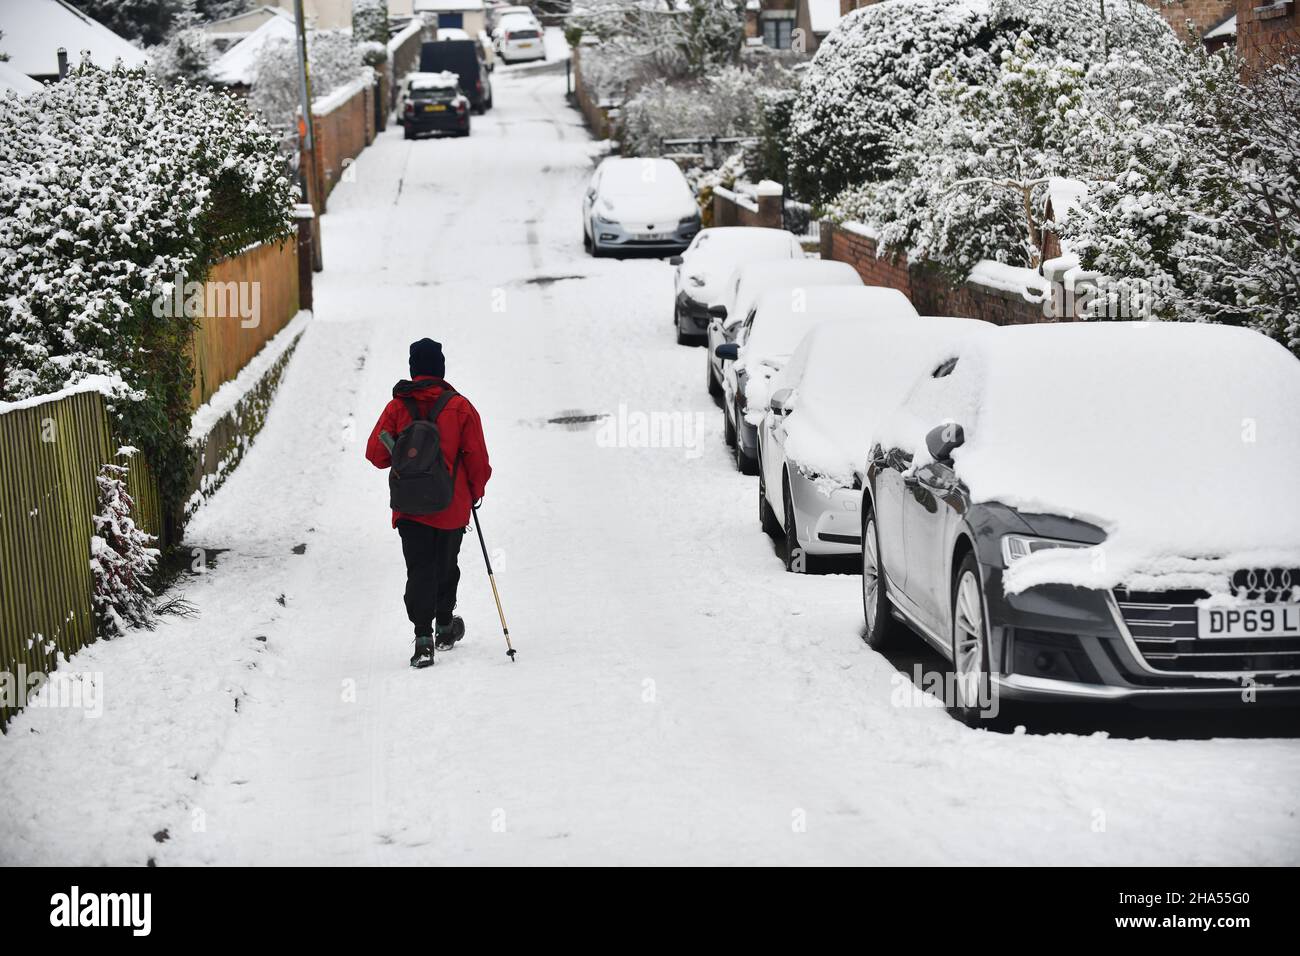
[
  {"x": 1254, "y": 620},
  {"x": 435, "y": 108},
  {"x": 654, "y": 236},
  {"x": 525, "y": 46}
]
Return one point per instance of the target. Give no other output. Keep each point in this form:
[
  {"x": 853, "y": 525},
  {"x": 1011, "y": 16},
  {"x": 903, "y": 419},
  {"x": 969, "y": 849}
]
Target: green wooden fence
[{"x": 50, "y": 453}]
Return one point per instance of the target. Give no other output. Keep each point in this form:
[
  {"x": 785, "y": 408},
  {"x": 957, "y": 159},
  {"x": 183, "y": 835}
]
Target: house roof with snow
[
  {"x": 35, "y": 29},
  {"x": 1225, "y": 30},
  {"x": 242, "y": 24},
  {"x": 238, "y": 65},
  {"x": 20, "y": 83}
]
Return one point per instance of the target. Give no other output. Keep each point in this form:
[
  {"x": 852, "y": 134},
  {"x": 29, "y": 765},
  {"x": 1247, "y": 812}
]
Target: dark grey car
[{"x": 936, "y": 557}]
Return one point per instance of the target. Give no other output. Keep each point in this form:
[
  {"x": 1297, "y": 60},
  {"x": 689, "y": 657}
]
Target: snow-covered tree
[
  {"x": 970, "y": 176},
  {"x": 148, "y": 21},
  {"x": 1202, "y": 199},
  {"x": 871, "y": 77},
  {"x": 646, "y": 40},
  {"x": 335, "y": 59},
  {"x": 122, "y": 557},
  {"x": 187, "y": 53},
  {"x": 726, "y": 102}
]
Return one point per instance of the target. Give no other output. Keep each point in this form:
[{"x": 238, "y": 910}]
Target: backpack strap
[{"x": 413, "y": 407}]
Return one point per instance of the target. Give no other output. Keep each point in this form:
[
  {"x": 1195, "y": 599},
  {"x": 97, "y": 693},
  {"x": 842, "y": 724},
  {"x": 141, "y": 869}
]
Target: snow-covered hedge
[
  {"x": 728, "y": 102},
  {"x": 111, "y": 185},
  {"x": 873, "y": 76},
  {"x": 122, "y": 556},
  {"x": 1200, "y": 200}
]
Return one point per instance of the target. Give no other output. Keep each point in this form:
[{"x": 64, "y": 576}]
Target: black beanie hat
[{"x": 427, "y": 359}]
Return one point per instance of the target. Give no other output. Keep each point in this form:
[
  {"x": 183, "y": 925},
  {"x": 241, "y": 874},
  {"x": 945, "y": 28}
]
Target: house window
[{"x": 777, "y": 32}]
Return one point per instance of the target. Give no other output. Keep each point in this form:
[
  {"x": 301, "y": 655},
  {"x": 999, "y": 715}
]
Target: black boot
[
  {"x": 423, "y": 655},
  {"x": 449, "y": 634}
]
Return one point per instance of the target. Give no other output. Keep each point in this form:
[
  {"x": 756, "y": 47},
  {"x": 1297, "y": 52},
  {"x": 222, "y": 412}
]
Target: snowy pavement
[{"x": 678, "y": 697}]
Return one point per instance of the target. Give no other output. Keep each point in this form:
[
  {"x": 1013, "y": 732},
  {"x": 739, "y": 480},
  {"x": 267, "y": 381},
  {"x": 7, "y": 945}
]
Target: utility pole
[{"x": 306, "y": 132}]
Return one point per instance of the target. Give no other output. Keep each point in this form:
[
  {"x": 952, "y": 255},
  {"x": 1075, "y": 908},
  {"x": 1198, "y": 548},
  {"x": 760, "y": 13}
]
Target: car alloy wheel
[{"x": 969, "y": 643}]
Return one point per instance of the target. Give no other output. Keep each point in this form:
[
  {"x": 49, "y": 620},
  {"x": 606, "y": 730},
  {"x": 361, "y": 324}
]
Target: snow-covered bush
[
  {"x": 644, "y": 42},
  {"x": 1202, "y": 199},
  {"x": 111, "y": 185},
  {"x": 866, "y": 82},
  {"x": 871, "y": 78},
  {"x": 970, "y": 177},
  {"x": 187, "y": 53},
  {"x": 335, "y": 60},
  {"x": 370, "y": 21},
  {"x": 727, "y": 102},
  {"x": 122, "y": 557}
]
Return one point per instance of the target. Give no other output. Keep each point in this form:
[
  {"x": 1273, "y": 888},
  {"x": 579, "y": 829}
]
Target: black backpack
[{"x": 418, "y": 483}]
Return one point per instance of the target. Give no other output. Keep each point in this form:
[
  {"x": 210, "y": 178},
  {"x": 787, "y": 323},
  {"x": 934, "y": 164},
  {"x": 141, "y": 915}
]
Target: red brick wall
[
  {"x": 1204, "y": 14},
  {"x": 930, "y": 291},
  {"x": 729, "y": 213},
  {"x": 1266, "y": 32},
  {"x": 341, "y": 135}
]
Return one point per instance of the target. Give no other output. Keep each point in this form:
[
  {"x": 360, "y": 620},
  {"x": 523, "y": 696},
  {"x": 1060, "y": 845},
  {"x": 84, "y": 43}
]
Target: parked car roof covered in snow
[
  {"x": 751, "y": 280},
  {"x": 847, "y": 376}
]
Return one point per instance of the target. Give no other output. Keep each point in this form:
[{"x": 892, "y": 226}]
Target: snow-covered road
[{"x": 677, "y": 698}]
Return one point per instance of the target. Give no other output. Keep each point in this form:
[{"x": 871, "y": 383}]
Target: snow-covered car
[
  {"x": 501, "y": 15},
  {"x": 519, "y": 41},
  {"x": 433, "y": 103},
  {"x": 822, "y": 409},
  {"x": 709, "y": 260},
  {"x": 638, "y": 204},
  {"x": 1095, "y": 512},
  {"x": 743, "y": 287},
  {"x": 770, "y": 333}
]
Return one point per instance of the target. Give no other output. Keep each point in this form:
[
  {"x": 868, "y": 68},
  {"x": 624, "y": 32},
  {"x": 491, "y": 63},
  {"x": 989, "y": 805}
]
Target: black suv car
[
  {"x": 434, "y": 104},
  {"x": 465, "y": 59}
]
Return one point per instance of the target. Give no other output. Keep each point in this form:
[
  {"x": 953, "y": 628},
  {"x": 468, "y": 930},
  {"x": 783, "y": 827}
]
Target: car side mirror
[
  {"x": 782, "y": 401},
  {"x": 718, "y": 311},
  {"x": 727, "y": 351},
  {"x": 943, "y": 440},
  {"x": 675, "y": 261}
]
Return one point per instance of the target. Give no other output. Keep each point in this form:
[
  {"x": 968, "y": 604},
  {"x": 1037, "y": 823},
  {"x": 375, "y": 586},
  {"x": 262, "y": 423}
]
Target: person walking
[{"x": 430, "y": 438}]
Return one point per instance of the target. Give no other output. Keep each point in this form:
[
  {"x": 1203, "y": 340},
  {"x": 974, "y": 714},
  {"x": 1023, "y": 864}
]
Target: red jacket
[{"x": 460, "y": 432}]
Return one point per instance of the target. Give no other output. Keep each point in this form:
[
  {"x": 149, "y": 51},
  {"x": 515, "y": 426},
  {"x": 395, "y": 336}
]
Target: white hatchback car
[
  {"x": 821, "y": 412},
  {"x": 519, "y": 38},
  {"x": 638, "y": 205},
  {"x": 705, "y": 266}
]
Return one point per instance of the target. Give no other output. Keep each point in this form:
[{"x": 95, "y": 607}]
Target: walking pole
[{"x": 510, "y": 652}]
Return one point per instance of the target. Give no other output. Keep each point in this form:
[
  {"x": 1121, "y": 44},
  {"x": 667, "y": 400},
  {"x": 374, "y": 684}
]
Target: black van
[{"x": 464, "y": 58}]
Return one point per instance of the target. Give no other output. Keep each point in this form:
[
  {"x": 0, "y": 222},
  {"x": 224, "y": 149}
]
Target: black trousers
[{"x": 432, "y": 573}]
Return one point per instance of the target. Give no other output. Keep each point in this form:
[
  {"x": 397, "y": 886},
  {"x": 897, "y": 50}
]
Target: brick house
[
  {"x": 770, "y": 23},
  {"x": 1266, "y": 31}
]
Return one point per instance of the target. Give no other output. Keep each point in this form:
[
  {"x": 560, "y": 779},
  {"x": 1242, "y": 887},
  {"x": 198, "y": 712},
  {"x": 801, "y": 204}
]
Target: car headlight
[
  {"x": 604, "y": 221},
  {"x": 692, "y": 220},
  {"x": 1016, "y": 546}
]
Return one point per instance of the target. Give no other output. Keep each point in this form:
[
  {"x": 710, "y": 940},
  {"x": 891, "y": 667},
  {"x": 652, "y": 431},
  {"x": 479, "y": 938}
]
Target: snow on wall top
[
  {"x": 238, "y": 65},
  {"x": 337, "y": 97},
  {"x": 35, "y": 29}
]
